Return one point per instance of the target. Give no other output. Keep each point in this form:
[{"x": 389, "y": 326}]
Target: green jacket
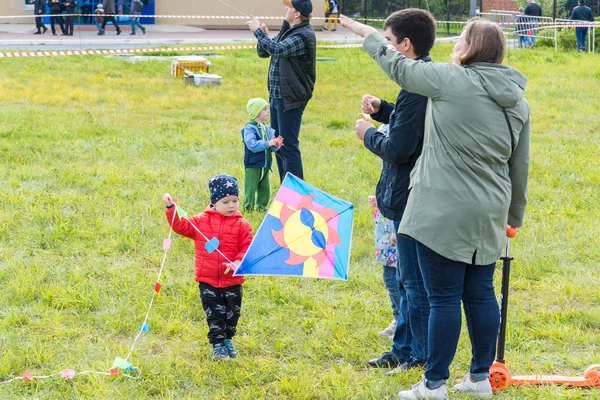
[{"x": 468, "y": 183}]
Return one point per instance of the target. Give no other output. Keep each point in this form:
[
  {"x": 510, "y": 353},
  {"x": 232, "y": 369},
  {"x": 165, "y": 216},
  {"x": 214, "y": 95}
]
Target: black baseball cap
[{"x": 304, "y": 7}]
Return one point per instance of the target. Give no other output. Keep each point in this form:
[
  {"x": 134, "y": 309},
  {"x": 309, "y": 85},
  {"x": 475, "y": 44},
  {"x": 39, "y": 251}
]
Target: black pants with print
[{"x": 222, "y": 307}]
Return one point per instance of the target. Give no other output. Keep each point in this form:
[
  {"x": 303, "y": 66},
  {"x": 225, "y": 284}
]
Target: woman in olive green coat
[{"x": 468, "y": 184}]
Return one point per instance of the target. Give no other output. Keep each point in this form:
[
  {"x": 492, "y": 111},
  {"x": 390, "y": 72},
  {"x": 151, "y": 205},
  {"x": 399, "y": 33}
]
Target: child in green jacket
[{"x": 259, "y": 143}]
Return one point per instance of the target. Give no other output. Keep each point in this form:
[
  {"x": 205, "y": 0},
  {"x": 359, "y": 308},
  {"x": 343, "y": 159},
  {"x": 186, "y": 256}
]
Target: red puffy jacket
[{"x": 234, "y": 234}]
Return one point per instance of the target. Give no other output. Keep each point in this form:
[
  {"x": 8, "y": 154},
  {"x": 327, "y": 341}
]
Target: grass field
[{"x": 88, "y": 145}]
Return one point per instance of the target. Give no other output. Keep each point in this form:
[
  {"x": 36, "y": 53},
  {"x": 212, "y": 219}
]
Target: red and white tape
[{"x": 20, "y": 54}]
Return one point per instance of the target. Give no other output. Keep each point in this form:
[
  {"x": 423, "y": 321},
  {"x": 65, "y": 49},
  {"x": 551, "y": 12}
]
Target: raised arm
[{"x": 426, "y": 79}]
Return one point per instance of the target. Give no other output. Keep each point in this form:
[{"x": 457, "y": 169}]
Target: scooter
[{"x": 500, "y": 376}]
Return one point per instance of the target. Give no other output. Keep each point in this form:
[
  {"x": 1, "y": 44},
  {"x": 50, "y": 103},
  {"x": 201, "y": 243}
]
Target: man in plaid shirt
[{"x": 292, "y": 76}]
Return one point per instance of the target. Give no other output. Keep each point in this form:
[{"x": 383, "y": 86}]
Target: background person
[
  {"x": 55, "y": 7},
  {"x": 533, "y": 10},
  {"x": 582, "y": 13},
  {"x": 470, "y": 181},
  {"x": 99, "y": 18},
  {"x": 110, "y": 10},
  {"x": 135, "y": 9},
  {"x": 39, "y": 8},
  {"x": 332, "y": 14},
  {"x": 70, "y": 19},
  {"x": 521, "y": 29},
  {"x": 292, "y": 76}
]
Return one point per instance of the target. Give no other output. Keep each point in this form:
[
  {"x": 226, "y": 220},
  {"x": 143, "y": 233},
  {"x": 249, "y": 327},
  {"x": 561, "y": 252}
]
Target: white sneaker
[
  {"x": 480, "y": 389},
  {"x": 390, "y": 330},
  {"x": 421, "y": 391}
]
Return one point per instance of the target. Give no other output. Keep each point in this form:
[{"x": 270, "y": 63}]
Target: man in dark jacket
[
  {"x": 412, "y": 33},
  {"x": 70, "y": 19},
  {"x": 55, "y": 7},
  {"x": 110, "y": 11},
  {"x": 533, "y": 11},
  {"x": 292, "y": 76},
  {"x": 582, "y": 13},
  {"x": 39, "y": 8}
]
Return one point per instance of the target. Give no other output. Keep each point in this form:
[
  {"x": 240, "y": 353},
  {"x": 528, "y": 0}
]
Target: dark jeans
[
  {"x": 416, "y": 297},
  {"x": 390, "y": 280},
  {"x": 287, "y": 124},
  {"x": 222, "y": 307},
  {"x": 580, "y": 34},
  {"x": 402, "y": 347},
  {"x": 111, "y": 18},
  {"x": 447, "y": 282},
  {"x": 69, "y": 25},
  {"x": 39, "y": 24},
  {"x": 57, "y": 18}
]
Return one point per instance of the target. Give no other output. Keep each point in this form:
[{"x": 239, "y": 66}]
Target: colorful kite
[{"x": 306, "y": 232}]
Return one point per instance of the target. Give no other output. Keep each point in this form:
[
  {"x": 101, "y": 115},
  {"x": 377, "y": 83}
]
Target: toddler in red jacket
[{"x": 220, "y": 291}]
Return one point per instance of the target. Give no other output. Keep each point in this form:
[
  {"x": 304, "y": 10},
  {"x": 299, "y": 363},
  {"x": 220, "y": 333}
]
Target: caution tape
[{"x": 21, "y": 54}]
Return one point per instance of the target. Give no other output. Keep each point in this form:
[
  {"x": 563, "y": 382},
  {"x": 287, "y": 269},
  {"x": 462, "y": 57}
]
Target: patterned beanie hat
[{"x": 221, "y": 186}]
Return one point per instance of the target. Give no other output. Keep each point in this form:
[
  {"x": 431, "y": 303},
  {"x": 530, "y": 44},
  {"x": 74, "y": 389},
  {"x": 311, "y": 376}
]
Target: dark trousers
[
  {"x": 57, "y": 18},
  {"x": 287, "y": 124},
  {"x": 222, "y": 307},
  {"x": 415, "y": 299},
  {"x": 110, "y": 17},
  {"x": 448, "y": 282},
  {"x": 39, "y": 24},
  {"x": 69, "y": 25}
]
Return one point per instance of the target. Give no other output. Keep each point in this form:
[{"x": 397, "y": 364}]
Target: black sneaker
[
  {"x": 408, "y": 364},
  {"x": 387, "y": 360}
]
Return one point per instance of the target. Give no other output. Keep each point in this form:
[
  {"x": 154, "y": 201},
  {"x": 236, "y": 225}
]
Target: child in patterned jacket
[{"x": 385, "y": 251}]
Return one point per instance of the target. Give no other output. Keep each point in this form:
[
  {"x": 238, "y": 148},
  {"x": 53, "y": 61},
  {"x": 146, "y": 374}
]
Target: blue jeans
[
  {"x": 136, "y": 21},
  {"x": 524, "y": 41},
  {"x": 447, "y": 283},
  {"x": 287, "y": 124},
  {"x": 390, "y": 280},
  {"x": 580, "y": 34},
  {"x": 402, "y": 347},
  {"x": 534, "y": 31},
  {"x": 416, "y": 296}
]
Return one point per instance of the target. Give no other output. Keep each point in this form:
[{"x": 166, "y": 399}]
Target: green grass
[{"x": 88, "y": 145}]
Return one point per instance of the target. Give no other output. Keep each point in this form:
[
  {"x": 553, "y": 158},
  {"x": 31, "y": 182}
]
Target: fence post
[{"x": 555, "y": 37}]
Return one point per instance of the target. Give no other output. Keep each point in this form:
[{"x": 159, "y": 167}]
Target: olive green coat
[{"x": 468, "y": 183}]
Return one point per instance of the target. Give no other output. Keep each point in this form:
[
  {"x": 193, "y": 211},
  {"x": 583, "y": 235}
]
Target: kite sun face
[{"x": 306, "y": 233}]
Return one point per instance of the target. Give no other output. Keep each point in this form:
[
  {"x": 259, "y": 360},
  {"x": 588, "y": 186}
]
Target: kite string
[
  {"x": 230, "y": 6},
  {"x": 162, "y": 266},
  {"x": 28, "y": 377}
]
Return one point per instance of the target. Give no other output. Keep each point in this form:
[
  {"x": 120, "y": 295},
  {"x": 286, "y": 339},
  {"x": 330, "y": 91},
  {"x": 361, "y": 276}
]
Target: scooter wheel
[
  {"x": 499, "y": 376},
  {"x": 592, "y": 373}
]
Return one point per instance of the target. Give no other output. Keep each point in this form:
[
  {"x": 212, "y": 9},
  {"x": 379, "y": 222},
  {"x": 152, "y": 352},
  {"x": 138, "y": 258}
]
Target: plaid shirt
[{"x": 291, "y": 47}]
